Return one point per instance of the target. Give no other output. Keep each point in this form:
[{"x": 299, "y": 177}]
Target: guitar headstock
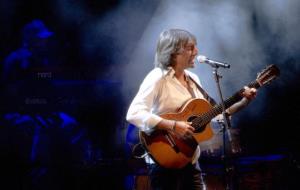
[{"x": 267, "y": 75}]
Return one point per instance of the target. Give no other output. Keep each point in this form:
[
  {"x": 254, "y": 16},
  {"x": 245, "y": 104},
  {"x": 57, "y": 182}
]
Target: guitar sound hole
[
  {"x": 190, "y": 119},
  {"x": 197, "y": 123},
  {"x": 200, "y": 128}
]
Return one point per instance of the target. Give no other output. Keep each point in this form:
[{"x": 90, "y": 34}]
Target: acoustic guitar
[{"x": 171, "y": 151}]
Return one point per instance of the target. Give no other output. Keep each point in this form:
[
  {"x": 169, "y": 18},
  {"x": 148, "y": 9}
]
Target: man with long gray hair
[{"x": 166, "y": 89}]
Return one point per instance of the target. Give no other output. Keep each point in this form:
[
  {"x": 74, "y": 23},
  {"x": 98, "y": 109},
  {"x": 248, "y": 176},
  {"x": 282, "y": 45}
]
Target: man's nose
[{"x": 195, "y": 52}]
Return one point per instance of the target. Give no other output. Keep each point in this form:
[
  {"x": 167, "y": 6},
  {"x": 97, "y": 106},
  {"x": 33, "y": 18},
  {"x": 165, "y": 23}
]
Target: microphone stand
[{"x": 225, "y": 124}]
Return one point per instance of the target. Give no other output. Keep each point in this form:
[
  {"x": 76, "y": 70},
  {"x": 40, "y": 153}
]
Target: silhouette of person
[
  {"x": 27, "y": 71},
  {"x": 40, "y": 132}
]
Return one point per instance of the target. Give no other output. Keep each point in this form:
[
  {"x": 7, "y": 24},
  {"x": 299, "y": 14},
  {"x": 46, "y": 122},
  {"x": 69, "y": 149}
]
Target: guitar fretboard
[{"x": 205, "y": 118}]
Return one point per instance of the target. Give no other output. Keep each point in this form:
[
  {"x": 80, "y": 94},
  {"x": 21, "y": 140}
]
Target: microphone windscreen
[{"x": 201, "y": 58}]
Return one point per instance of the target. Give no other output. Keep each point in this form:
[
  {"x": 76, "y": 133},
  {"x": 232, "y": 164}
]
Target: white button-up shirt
[{"x": 159, "y": 93}]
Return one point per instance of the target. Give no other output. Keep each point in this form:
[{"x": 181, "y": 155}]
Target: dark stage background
[{"x": 63, "y": 125}]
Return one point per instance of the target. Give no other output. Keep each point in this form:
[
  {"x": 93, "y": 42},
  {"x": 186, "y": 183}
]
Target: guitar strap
[
  {"x": 206, "y": 96},
  {"x": 190, "y": 89}
]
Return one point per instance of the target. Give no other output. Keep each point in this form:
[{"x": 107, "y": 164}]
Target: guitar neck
[{"x": 218, "y": 109}]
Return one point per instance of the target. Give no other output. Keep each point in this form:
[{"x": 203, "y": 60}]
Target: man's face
[{"x": 187, "y": 56}]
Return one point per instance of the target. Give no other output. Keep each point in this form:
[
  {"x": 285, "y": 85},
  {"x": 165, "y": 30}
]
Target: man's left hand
[{"x": 249, "y": 93}]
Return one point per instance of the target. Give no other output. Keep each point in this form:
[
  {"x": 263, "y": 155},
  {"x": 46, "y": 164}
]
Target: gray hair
[{"x": 170, "y": 43}]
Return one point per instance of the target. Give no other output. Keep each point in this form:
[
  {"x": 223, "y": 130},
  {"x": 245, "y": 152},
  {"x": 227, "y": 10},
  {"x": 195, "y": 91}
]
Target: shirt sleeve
[{"x": 140, "y": 110}]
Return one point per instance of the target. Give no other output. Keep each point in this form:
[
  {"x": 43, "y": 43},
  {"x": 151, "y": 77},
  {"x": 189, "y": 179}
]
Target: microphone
[{"x": 216, "y": 64}]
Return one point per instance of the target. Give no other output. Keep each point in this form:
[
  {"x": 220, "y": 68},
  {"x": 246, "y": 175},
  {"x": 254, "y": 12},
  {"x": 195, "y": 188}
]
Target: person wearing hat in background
[
  {"x": 34, "y": 53},
  {"x": 29, "y": 71},
  {"x": 41, "y": 130}
]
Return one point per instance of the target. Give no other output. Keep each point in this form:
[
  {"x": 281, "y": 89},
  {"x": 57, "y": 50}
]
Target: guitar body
[{"x": 170, "y": 151}]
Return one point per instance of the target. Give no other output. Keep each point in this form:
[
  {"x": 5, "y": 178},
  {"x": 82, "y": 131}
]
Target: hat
[{"x": 36, "y": 29}]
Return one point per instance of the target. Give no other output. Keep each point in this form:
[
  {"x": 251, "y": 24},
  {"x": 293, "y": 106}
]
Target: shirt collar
[{"x": 171, "y": 72}]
